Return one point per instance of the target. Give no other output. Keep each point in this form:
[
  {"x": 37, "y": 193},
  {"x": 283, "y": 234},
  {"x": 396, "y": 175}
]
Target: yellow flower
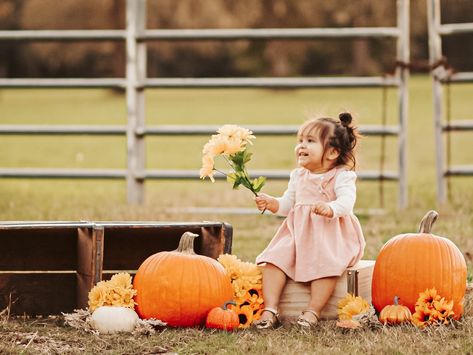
[
  {"x": 245, "y": 315},
  {"x": 350, "y": 306},
  {"x": 345, "y": 300},
  {"x": 97, "y": 295},
  {"x": 215, "y": 146},
  {"x": 121, "y": 280},
  {"x": 207, "y": 169},
  {"x": 254, "y": 299},
  {"x": 118, "y": 291},
  {"x": 237, "y": 133},
  {"x": 231, "y": 142},
  {"x": 233, "y": 145}
]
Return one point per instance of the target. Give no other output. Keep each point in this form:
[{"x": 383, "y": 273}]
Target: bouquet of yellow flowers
[
  {"x": 118, "y": 291},
  {"x": 246, "y": 280},
  {"x": 230, "y": 142},
  {"x": 432, "y": 309}
]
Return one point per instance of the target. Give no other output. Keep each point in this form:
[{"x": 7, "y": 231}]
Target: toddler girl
[{"x": 320, "y": 236}]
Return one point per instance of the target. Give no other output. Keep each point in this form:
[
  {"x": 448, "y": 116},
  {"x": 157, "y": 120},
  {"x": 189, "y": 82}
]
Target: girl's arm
[
  {"x": 345, "y": 190},
  {"x": 288, "y": 199}
]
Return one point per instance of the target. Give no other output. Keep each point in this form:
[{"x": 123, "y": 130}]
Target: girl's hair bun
[{"x": 345, "y": 118}]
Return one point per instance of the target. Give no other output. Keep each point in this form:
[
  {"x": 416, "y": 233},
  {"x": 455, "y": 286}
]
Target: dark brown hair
[{"x": 340, "y": 135}]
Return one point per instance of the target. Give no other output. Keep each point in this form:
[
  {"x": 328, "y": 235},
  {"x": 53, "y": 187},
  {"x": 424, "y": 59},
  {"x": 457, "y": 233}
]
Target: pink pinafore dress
[{"x": 307, "y": 246}]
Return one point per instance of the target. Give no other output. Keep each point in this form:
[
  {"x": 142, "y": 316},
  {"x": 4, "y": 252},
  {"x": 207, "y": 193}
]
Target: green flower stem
[{"x": 245, "y": 175}]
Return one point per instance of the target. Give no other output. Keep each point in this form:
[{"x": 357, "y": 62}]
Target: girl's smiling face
[{"x": 310, "y": 154}]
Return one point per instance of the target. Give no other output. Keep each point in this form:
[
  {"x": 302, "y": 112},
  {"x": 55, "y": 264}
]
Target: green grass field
[{"x": 98, "y": 200}]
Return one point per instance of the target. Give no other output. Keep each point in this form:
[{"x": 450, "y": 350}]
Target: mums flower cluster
[
  {"x": 351, "y": 306},
  {"x": 432, "y": 309},
  {"x": 247, "y": 288},
  {"x": 118, "y": 291},
  {"x": 231, "y": 142}
]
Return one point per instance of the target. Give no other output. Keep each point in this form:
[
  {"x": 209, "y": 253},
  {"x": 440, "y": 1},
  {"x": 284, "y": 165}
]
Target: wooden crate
[
  {"x": 49, "y": 267},
  {"x": 356, "y": 280}
]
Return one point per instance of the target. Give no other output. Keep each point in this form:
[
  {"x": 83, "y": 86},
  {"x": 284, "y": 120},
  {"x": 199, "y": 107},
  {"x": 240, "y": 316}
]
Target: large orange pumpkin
[
  {"x": 410, "y": 263},
  {"x": 180, "y": 287}
]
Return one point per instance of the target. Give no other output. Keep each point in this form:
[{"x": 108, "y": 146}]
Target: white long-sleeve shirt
[{"x": 345, "y": 190}]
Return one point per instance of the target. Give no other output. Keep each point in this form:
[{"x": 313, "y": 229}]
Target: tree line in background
[{"x": 222, "y": 58}]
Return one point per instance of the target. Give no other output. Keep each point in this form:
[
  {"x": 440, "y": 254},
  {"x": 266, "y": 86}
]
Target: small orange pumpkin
[
  {"x": 395, "y": 313},
  {"x": 223, "y": 317}
]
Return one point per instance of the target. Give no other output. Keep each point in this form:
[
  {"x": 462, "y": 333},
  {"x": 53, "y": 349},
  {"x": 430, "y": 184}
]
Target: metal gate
[{"x": 135, "y": 82}]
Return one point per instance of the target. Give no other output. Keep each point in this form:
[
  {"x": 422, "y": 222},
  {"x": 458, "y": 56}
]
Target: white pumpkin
[{"x": 112, "y": 319}]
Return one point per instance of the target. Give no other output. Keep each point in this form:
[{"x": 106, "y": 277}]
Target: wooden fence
[
  {"x": 442, "y": 75},
  {"x": 136, "y": 81}
]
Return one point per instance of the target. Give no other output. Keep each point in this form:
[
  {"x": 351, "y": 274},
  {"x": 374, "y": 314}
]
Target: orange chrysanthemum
[{"x": 432, "y": 309}]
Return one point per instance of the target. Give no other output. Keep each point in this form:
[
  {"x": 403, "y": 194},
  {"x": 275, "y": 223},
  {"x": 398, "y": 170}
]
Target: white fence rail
[{"x": 136, "y": 36}]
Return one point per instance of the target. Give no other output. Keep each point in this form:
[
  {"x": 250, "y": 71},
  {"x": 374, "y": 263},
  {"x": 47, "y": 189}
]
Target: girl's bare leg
[
  {"x": 274, "y": 280},
  {"x": 320, "y": 292}
]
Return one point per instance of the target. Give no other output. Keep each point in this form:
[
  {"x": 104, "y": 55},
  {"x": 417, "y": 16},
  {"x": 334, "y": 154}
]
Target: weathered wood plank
[
  {"x": 89, "y": 261},
  {"x": 38, "y": 293},
  {"x": 38, "y": 249}
]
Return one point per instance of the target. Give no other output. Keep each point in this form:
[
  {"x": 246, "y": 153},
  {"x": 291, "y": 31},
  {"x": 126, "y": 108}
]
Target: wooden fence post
[{"x": 135, "y": 76}]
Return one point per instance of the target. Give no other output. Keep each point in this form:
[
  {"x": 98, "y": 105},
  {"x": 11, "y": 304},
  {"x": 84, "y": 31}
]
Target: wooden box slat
[
  {"x": 38, "y": 249},
  {"x": 296, "y": 296},
  {"x": 38, "y": 293},
  {"x": 89, "y": 261}
]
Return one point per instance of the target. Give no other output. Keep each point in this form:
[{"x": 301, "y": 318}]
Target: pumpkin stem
[
  {"x": 428, "y": 221},
  {"x": 225, "y": 305},
  {"x": 396, "y": 300},
  {"x": 186, "y": 243}
]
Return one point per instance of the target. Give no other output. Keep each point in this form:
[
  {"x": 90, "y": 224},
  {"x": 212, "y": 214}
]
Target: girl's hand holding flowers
[
  {"x": 321, "y": 208},
  {"x": 266, "y": 202}
]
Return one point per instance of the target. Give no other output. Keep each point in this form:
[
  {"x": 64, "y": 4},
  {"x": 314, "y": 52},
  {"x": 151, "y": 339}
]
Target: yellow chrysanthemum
[
  {"x": 237, "y": 133},
  {"x": 345, "y": 300},
  {"x": 215, "y": 146},
  {"x": 231, "y": 143},
  {"x": 121, "y": 280},
  {"x": 97, "y": 296},
  {"x": 207, "y": 169},
  {"x": 227, "y": 260},
  {"x": 118, "y": 291},
  {"x": 350, "y": 306}
]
